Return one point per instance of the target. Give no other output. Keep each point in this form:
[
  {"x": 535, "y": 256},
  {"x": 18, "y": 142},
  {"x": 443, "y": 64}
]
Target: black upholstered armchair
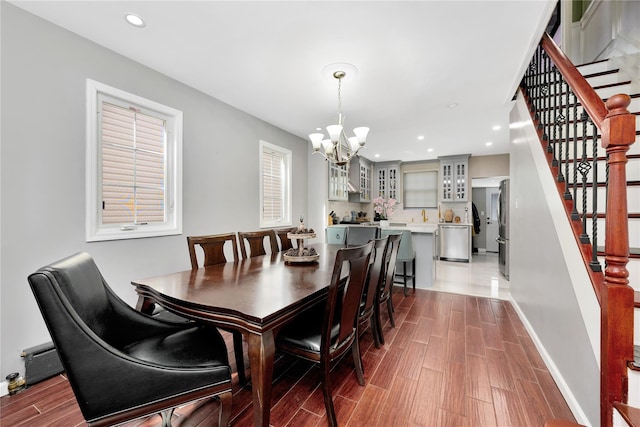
[{"x": 122, "y": 364}]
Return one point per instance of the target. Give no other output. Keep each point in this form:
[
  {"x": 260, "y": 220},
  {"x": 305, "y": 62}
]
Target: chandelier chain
[{"x": 340, "y": 95}]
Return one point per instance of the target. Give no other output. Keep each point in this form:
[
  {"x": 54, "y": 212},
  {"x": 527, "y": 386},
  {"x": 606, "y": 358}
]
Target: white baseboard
[
  {"x": 577, "y": 411},
  {"x": 4, "y": 388}
]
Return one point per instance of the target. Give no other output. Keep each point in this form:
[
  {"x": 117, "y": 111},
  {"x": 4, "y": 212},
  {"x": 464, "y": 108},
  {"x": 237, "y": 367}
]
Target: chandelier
[{"x": 338, "y": 148}]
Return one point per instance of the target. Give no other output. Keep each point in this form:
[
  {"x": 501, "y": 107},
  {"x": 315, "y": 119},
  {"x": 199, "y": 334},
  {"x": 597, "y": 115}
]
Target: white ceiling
[{"x": 414, "y": 60}]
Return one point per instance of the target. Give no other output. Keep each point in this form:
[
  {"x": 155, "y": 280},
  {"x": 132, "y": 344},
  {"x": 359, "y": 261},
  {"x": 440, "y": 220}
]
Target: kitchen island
[{"x": 425, "y": 239}]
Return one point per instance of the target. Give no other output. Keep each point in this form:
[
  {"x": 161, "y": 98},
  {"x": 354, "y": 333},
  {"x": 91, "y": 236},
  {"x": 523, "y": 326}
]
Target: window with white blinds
[
  {"x": 275, "y": 185},
  {"x": 420, "y": 189},
  {"x": 134, "y": 172}
]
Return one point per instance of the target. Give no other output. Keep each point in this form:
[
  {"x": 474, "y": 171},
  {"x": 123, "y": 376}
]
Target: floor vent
[{"x": 41, "y": 362}]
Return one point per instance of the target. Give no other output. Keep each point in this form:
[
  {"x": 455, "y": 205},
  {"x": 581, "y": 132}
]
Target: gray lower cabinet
[{"x": 336, "y": 235}]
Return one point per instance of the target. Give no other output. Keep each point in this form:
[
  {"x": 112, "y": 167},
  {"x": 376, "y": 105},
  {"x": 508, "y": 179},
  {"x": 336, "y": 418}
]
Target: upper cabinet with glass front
[
  {"x": 360, "y": 174},
  {"x": 454, "y": 179},
  {"x": 338, "y": 182},
  {"x": 387, "y": 180}
]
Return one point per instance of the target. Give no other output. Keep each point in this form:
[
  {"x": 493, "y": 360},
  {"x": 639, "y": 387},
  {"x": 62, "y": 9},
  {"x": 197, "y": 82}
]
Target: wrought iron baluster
[
  {"x": 547, "y": 102},
  {"x": 584, "y": 167},
  {"x": 574, "y": 213},
  {"x": 595, "y": 264},
  {"x": 559, "y": 122},
  {"x": 554, "y": 99},
  {"x": 538, "y": 80},
  {"x": 532, "y": 86},
  {"x": 567, "y": 193}
]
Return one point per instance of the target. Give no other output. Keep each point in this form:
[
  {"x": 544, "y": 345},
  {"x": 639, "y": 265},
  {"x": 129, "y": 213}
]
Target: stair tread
[{"x": 630, "y": 414}]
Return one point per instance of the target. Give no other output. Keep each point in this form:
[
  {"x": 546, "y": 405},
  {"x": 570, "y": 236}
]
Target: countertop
[{"x": 414, "y": 227}]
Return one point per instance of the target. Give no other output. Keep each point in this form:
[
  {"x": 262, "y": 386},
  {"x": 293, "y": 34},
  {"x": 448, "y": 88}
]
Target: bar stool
[
  {"x": 360, "y": 235},
  {"x": 406, "y": 254}
]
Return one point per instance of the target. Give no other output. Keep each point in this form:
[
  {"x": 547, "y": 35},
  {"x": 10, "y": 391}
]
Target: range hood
[{"x": 351, "y": 189}]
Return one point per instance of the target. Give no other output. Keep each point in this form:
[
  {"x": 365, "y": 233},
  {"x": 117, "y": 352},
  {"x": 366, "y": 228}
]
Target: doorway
[
  {"x": 484, "y": 195},
  {"x": 492, "y": 218}
]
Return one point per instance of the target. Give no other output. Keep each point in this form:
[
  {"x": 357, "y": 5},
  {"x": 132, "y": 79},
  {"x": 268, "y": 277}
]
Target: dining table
[{"x": 255, "y": 296}]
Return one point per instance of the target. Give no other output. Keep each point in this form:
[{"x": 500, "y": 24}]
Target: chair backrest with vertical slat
[
  {"x": 374, "y": 278},
  {"x": 359, "y": 259},
  {"x": 285, "y": 242},
  {"x": 213, "y": 248},
  {"x": 255, "y": 240}
]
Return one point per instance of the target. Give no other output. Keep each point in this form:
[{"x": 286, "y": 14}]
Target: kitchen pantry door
[{"x": 492, "y": 219}]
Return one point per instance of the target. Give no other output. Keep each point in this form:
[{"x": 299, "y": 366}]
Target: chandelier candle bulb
[
  {"x": 316, "y": 140},
  {"x": 361, "y": 134}
]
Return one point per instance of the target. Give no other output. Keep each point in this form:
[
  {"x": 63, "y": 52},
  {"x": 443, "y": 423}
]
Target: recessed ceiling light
[
  {"x": 377, "y": 155},
  {"x": 429, "y": 150},
  {"x": 420, "y": 137},
  {"x": 453, "y": 105},
  {"x": 488, "y": 143},
  {"x": 496, "y": 127},
  {"x": 320, "y": 129},
  {"x": 134, "y": 20}
]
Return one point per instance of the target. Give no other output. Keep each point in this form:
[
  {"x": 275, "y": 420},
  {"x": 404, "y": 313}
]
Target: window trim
[
  {"x": 173, "y": 186},
  {"x": 287, "y": 196}
]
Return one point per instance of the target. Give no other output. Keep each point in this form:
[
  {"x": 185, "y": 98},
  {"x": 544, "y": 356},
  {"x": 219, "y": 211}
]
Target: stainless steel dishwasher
[{"x": 454, "y": 242}]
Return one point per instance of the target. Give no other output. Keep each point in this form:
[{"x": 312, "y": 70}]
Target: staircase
[{"x": 591, "y": 153}]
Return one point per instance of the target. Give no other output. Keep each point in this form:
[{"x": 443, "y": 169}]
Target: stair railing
[{"x": 571, "y": 118}]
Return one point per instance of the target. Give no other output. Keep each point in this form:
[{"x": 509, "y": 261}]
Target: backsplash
[{"x": 343, "y": 209}]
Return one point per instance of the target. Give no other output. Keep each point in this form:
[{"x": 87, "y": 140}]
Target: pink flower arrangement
[{"x": 384, "y": 207}]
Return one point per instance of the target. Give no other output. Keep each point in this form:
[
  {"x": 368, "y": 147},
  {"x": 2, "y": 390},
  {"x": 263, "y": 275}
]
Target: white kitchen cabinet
[
  {"x": 387, "y": 180},
  {"x": 360, "y": 174},
  {"x": 454, "y": 181},
  {"x": 338, "y": 182}
]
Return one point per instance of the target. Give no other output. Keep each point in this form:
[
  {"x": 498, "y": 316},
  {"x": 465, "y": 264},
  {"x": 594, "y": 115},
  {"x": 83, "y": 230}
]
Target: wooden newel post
[{"x": 618, "y": 133}]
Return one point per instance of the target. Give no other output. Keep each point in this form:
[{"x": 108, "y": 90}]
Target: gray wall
[
  {"x": 43, "y": 74},
  {"x": 549, "y": 282}
]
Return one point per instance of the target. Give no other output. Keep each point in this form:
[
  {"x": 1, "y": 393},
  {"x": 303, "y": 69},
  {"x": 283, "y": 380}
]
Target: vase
[{"x": 384, "y": 223}]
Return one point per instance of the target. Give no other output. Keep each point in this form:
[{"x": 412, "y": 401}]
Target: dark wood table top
[{"x": 254, "y": 294}]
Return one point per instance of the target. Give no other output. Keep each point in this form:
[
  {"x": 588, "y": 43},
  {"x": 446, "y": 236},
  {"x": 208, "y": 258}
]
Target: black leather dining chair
[
  {"x": 122, "y": 364},
  {"x": 326, "y": 331}
]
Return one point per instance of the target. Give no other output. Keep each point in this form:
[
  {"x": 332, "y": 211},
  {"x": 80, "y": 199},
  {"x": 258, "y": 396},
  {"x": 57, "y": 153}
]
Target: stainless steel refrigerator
[{"x": 503, "y": 228}]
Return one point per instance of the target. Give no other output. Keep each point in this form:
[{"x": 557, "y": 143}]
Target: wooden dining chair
[
  {"x": 385, "y": 296},
  {"x": 285, "y": 242},
  {"x": 370, "y": 296},
  {"x": 326, "y": 331},
  {"x": 256, "y": 242},
  {"x": 213, "y": 247}
]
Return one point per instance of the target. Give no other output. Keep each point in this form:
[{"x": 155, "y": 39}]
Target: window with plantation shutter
[
  {"x": 134, "y": 172},
  {"x": 275, "y": 185}
]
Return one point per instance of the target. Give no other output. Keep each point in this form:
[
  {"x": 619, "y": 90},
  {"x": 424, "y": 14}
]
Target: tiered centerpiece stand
[{"x": 301, "y": 254}]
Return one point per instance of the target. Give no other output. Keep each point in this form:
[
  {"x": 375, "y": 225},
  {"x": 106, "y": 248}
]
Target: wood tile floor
[{"x": 452, "y": 360}]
